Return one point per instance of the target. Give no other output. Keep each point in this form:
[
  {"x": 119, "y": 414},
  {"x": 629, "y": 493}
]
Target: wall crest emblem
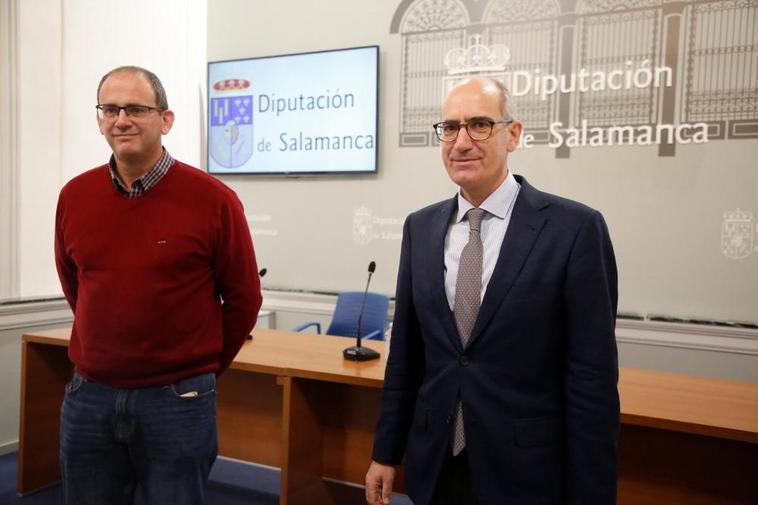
[
  {"x": 231, "y": 135},
  {"x": 362, "y": 225},
  {"x": 737, "y": 234}
]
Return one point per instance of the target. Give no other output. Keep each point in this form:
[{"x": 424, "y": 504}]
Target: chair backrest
[{"x": 345, "y": 320}]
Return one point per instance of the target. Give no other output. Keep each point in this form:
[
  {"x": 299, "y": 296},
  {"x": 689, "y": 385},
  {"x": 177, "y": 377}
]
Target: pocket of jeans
[
  {"x": 74, "y": 384},
  {"x": 191, "y": 388}
]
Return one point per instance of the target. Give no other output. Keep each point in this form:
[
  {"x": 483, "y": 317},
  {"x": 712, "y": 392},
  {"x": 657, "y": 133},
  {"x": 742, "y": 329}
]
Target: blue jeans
[{"x": 161, "y": 440}]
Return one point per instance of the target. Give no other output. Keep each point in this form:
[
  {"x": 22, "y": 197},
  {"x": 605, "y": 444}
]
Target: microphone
[
  {"x": 261, "y": 273},
  {"x": 358, "y": 352}
]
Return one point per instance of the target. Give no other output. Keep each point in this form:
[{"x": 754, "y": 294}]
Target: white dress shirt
[{"x": 498, "y": 207}]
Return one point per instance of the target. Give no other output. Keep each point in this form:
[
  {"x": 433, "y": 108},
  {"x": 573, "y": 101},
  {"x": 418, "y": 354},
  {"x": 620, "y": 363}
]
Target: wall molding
[
  {"x": 702, "y": 337},
  {"x": 699, "y": 337},
  {"x": 8, "y": 447},
  {"x": 296, "y": 301},
  {"x": 31, "y": 314}
]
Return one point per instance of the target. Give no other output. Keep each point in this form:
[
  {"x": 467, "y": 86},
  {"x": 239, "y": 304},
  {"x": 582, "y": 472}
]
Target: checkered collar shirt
[{"x": 145, "y": 182}]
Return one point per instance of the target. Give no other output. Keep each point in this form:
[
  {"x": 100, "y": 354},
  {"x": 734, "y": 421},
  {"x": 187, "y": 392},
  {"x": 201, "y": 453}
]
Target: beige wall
[
  {"x": 60, "y": 51},
  {"x": 665, "y": 213}
]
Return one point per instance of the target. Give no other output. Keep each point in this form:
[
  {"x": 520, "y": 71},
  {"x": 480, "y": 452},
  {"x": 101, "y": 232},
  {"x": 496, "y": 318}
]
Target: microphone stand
[
  {"x": 358, "y": 352},
  {"x": 363, "y": 307}
]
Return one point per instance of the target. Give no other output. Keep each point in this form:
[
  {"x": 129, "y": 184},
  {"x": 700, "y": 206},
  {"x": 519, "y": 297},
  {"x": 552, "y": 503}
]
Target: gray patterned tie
[{"x": 468, "y": 292}]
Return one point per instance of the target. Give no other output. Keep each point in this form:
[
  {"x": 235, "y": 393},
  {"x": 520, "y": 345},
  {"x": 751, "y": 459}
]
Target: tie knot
[{"x": 475, "y": 219}]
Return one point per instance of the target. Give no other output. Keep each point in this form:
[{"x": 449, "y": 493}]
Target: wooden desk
[{"x": 291, "y": 401}]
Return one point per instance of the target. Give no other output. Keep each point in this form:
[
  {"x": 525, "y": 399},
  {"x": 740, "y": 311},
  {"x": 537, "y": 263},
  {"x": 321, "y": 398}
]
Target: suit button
[
  {"x": 448, "y": 419},
  {"x": 464, "y": 360}
]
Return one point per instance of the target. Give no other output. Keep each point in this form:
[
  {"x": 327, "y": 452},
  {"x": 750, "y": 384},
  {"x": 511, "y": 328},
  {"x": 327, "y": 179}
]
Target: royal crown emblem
[{"x": 477, "y": 58}]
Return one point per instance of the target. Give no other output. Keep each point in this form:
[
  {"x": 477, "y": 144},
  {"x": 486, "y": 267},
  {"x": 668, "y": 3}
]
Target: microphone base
[{"x": 356, "y": 353}]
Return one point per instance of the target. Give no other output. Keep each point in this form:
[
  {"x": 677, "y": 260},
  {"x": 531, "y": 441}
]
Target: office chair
[{"x": 345, "y": 319}]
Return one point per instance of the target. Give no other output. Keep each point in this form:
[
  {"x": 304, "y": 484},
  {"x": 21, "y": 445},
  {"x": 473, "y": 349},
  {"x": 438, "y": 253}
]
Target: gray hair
[
  {"x": 161, "y": 100},
  {"x": 506, "y": 104}
]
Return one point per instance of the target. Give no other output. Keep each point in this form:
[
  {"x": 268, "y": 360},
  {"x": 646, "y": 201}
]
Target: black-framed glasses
[
  {"x": 110, "y": 111},
  {"x": 478, "y": 128}
]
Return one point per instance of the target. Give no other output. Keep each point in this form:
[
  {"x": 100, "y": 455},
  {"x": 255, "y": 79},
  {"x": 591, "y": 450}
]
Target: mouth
[{"x": 465, "y": 160}]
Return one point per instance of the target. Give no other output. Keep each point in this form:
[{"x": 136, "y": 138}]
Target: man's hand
[{"x": 379, "y": 479}]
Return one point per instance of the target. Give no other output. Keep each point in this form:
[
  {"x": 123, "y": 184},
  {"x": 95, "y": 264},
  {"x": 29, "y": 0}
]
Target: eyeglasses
[
  {"x": 109, "y": 111},
  {"x": 478, "y": 128}
]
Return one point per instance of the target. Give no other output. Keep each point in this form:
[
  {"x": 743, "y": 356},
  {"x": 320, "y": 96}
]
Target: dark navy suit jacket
[{"x": 538, "y": 377}]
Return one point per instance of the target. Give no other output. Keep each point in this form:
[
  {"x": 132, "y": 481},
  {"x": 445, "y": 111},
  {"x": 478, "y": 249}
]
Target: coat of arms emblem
[
  {"x": 737, "y": 234},
  {"x": 231, "y": 111},
  {"x": 362, "y": 225}
]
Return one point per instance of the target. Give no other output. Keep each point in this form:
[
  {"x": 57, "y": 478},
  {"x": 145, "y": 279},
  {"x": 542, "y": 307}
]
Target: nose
[
  {"x": 123, "y": 120},
  {"x": 463, "y": 141}
]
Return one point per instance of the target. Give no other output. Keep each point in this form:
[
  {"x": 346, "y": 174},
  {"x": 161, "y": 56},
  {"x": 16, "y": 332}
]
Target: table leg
[
  {"x": 45, "y": 370},
  {"x": 301, "y": 481}
]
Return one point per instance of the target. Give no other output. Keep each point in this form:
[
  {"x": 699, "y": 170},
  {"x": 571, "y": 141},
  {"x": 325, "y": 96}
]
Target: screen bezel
[{"x": 294, "y": 172}]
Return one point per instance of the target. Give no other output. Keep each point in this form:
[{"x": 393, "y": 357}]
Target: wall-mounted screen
[{"x": 307, "y": 113}]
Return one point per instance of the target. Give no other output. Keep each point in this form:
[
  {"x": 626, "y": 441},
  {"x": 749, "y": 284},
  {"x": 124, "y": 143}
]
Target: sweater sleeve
[
  {"x": 67, "y": 271},
  {"x": 237, "y": 280}
]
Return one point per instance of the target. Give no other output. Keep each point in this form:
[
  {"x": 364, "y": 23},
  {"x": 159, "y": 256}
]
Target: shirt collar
[
  {"x": 147, "y": 181},
  {"x": 497, "y": 203}
]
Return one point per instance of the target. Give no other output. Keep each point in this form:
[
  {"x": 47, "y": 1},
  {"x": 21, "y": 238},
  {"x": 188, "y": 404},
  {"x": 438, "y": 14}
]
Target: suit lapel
[
  {"x": 436, "y": 265},
  {"x": 524, "y": 228}
]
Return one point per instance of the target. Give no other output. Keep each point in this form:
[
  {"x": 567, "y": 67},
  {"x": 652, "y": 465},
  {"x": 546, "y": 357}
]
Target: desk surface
[
  {"x": 678, "y": 402},
  {"x": 285, "y": 353}
]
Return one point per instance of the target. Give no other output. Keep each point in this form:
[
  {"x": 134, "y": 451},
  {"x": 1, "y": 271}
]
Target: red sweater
[{"x": 146, "y": 277}]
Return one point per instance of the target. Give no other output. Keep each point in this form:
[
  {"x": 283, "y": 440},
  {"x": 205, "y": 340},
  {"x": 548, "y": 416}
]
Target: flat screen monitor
[{"x": 307, "y": 113}]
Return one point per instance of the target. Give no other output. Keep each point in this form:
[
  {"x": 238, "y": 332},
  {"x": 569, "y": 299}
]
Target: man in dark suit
[{"x": 500, "y": 386}]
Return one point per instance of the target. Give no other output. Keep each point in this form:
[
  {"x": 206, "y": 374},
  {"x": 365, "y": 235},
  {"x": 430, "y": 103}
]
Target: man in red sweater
[{"x": 156, "y": 261}]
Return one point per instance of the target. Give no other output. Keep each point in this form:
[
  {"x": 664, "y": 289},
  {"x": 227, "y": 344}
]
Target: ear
[
  {"x": 514, "y": 135},
  {"x": 100, "y": 125},
  {"x": 167, "y": 121}
]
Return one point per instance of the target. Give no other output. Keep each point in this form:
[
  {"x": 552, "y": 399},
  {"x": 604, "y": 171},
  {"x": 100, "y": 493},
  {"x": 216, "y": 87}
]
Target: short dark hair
[{"x": 161, "y": 101}]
